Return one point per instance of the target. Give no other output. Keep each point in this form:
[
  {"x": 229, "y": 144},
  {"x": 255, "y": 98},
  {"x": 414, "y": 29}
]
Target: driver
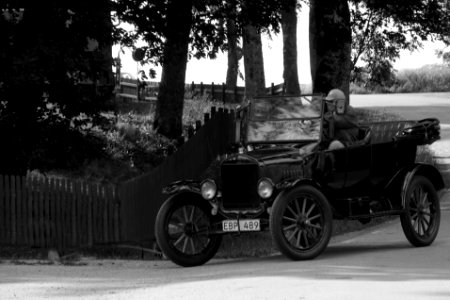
[{"x": 343, "y": 129}]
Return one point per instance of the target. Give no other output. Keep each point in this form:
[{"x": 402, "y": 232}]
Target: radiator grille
[{"x": 239, "y": 183}]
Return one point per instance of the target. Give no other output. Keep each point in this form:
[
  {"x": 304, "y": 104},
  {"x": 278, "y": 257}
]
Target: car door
[
  {"x": 335, "y": 168},
  {"x": 384, "y": 162},
  {"x": 359, "y": 161}
]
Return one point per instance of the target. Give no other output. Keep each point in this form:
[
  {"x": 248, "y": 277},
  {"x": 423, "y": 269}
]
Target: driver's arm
[{"x": 344, "y": 121}]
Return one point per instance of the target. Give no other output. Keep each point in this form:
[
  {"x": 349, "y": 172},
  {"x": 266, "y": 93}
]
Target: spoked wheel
[
  {"x": 422, "y": 216},
  {"x": 301, "y": 223},
  {"x": 183, "y": 230}
]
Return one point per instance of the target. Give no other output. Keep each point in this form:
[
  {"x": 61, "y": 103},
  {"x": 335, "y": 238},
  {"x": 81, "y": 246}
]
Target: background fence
[
  {"x": 59, "y": 213},
  {"x": 148, "y": 91}
]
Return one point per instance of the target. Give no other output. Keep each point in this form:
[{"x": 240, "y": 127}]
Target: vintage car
[{"x": 284, "y": 178}]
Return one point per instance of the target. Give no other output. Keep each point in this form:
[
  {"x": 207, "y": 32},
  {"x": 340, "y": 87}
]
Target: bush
[
  {"x": 124, "y": 144},
  {"x": 431, "y": 78}
]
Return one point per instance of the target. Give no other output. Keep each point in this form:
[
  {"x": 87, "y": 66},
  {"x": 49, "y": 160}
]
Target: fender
[
  {"x": 287, "y": 185},
  {"x": 181, "y": 186},
  {"x": 291, "y": 183},
  {"x": 425, "y": 170}
]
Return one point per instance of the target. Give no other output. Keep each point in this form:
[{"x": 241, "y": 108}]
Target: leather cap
[{"x": 335, "y": 94}]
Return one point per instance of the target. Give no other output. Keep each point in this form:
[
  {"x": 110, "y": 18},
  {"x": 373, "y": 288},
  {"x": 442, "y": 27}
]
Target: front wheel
[
  {"x": 183, "y": 230},
  {"x": 422, "y": 216},
  {"x": 301, "y": 223}
]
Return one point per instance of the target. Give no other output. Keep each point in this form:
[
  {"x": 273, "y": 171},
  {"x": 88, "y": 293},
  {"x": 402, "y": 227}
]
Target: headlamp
[
  {"x": 265, "y": 188},
  {"x": 208, "y": 189}
]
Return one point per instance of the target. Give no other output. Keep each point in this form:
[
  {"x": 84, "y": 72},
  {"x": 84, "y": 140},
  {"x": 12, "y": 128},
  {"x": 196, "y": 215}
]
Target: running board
[{"x": 377, "y": 214}]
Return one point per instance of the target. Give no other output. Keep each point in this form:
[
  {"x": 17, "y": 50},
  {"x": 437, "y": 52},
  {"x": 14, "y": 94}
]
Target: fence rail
[
  {"x": 57, "y": 213},
  {"x": 148, "y": 90}
]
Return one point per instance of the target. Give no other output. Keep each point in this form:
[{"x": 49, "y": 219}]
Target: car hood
[
  {"x": 279, "y": 163},
  {"x": 271, "y": 155}
]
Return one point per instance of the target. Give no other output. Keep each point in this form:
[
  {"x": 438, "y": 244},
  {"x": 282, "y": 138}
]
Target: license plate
[{"x": 244, "y": 225}]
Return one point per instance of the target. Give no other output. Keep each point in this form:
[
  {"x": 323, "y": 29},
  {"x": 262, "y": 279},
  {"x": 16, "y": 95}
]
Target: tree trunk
[
  {"x": 330, "y": 45},
  {"x": 255, "y": 82},
  {"x": 107, "y": 76},
  {"x": 289, "y": 27},
  {"x": 169, "y": 105},
  {"x": 233, "y": 59}
]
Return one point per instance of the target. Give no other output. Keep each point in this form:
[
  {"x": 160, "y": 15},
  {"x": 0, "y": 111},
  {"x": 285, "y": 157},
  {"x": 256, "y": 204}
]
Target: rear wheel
[
  {"x": 422, "y": 216},
  {"x": 301, "y": 223},
  {"x": 183, "y": 230}
]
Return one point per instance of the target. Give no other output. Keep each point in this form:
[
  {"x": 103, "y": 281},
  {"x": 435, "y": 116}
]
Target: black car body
[{"x": 285, "y": 178}]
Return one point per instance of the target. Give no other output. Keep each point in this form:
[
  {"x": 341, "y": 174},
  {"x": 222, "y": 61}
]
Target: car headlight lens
[
  {"x": 208, "y": 189},
  {"x": 265, "y": 188}
]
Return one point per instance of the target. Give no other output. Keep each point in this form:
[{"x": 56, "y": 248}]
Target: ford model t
[{"x": 285, "y": 178}]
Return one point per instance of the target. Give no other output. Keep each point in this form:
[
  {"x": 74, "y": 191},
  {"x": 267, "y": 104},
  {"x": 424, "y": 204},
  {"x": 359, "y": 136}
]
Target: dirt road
[{"x": 376, "y": 264}]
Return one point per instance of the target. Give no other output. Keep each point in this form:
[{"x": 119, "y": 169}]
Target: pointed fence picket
[{"x": 57, "y": 213}]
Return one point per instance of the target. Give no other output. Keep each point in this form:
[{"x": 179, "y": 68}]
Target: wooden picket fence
[
  {"x": 57, "y": 213},
  {"x": 61, "y": 213},
  {"x": 142, "y": 197}
]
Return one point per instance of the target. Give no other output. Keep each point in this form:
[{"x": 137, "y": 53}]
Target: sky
[{"x": 207, "y": 71}]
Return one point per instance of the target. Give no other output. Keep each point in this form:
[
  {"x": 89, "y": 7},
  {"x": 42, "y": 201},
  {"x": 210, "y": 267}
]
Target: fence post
[
  {"x": 91, "y": 198},
  {"x": 21, "y": 211},
  {"x": 213, "y": 111},
  {"x": 192, "y": 89},
  {"x": 272, "y": 89},
  {"x": 2, "y": 210},
  {"x": 205, "y": 118},
  {"x": 46, "y": 212},
  {"x": 223, "y": 92},
  {"x": 7, "y": 210},
  {"x": 191, "y": 131},
  {"x": 30, "y": 211},
  {"x": 201, "y": 88},
  {"x": 58, "y": 198},
  {"x": 13, "y": 211},
  {"x": 60, "y": 213},
  {"x": 52, "y": 213},
  {"x": 198, "y": 125}
]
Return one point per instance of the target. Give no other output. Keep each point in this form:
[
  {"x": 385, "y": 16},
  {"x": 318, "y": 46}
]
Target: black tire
[
  {"x": 301, "y": 223},
  {"x": 422, "y": 216},
  {"x": 182, "y": 230}
]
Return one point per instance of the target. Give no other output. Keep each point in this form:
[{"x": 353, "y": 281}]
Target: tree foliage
[
  {"x": 381, "y": 29},
  {"x": 206, "y": 35},
  {"x": 55, "y": 68}
]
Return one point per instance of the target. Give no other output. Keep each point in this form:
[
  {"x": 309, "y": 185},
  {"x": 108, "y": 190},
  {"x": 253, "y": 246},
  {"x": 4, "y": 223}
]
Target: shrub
[
  {"x": 126, "y": 144},
  {"x": 430, "y": 78}
]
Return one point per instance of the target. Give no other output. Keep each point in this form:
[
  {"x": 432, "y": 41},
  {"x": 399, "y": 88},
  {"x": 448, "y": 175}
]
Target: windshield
[{"x": 284, "y": 119}]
